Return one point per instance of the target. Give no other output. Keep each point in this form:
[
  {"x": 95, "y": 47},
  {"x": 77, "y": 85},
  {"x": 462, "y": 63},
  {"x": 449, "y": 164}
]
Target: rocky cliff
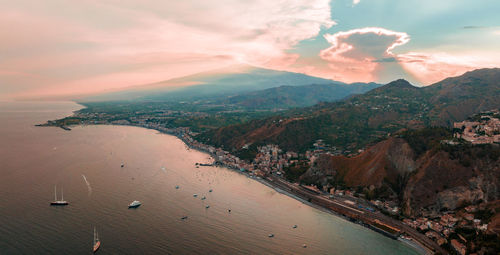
[{"x": 385, "y": 161}]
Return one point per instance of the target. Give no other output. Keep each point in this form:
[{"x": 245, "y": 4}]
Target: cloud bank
[
  {"x": 63, "y": 47},
  {"x": 85, "y": 46}
]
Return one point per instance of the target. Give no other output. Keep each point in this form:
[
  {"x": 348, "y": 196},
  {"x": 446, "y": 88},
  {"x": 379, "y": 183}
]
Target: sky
[{"x": 66, "y": 47}]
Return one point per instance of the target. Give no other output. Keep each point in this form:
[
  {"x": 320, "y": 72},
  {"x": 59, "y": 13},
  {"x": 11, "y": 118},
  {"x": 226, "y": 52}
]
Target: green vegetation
[
  {"x": 296, "y": 170},
  {"x": 467, "y": 153},
  {"x": 349, "y": 125},
  {"x": 425, "y": 139},
  {"x": 249, "y": 153}
]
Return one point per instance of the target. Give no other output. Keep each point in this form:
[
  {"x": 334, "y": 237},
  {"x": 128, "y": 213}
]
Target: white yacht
[{"x": 134, "y": 204}]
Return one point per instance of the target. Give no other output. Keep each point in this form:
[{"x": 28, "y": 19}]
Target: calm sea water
[{"x": 34, "y": 159}]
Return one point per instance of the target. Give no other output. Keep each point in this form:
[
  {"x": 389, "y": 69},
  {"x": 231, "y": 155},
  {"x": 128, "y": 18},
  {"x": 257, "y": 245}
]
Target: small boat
[
  {"x": 195, "y": 195},
  {"x": 184, "y": 217},
  {"x": 229, "y": 210},
  {"x": 134, "y": 204},
  {"x": 210, "y": 190},
  {"x": 294, "y": 226},
  {"x": 176, "y": 186},
  {"x": 207, "y": 206},
  {"x": 271, "y": 235},
  {"x": 304, "y": 246},
  {"x": 96, "y": 243},
  {"x": 122, "y": 165},
  {"x": 203, "y": 198},
  {"x": 58, "y": 202}
]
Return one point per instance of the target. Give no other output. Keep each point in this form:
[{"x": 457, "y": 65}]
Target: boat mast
[
  {"x": 55, "y": 192},
  {"x": 62, "y": 194}
]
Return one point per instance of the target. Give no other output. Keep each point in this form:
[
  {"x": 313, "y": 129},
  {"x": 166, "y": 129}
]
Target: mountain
[
  {"x": 456, "y": 98},
  {"x": 361, "y": 120},
  {"x": 223, "y": 82},
  {"x": 284, "y": 97}
]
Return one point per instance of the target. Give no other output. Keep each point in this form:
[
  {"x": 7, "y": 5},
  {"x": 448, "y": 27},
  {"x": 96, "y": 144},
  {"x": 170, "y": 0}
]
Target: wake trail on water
[{"x": 88, "y": 184}]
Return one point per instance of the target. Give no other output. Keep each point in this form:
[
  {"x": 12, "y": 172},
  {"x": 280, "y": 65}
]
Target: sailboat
[
  {"x": 58, "y": 202},
  {"x": 96, "y": 243}
]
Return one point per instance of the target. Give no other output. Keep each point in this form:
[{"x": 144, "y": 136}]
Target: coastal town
[
  {"x": 270, "y": 164},
  {"x": 271, "y": 160}
]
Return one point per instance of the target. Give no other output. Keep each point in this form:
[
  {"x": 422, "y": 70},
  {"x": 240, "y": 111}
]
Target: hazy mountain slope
[
  {"x": 212, "y": 84},
  {"x": 296, "y": 96}
]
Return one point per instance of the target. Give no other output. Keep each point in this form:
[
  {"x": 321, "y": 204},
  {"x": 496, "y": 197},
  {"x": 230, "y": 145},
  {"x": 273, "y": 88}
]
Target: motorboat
[
  {"x": 96, "y": 243},
  {"x": 134, "y": 204}
]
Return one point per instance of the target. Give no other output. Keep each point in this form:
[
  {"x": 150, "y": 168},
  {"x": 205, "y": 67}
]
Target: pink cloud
[
  {"x": 80, "y": 48},
  {"x": 375, "y": 43},
  {"x": 357, "y": 54},
  {"x": 367, "y": 54},
  {"x": 429, "y": 68}
]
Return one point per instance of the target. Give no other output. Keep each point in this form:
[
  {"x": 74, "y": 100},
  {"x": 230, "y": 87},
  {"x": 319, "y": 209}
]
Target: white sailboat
[
  {"x": 58, "y": 202},
  {"x": 96, "y": 243}
]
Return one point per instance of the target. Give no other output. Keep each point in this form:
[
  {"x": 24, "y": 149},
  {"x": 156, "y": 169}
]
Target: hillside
[
  {"x": 456, "y": 98},
  {"x": 419, "y": 169},
  {"x": 364, "y": 119},
  {"x": 386, "y": 161}
]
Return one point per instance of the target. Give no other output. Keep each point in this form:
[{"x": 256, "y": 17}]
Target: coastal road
[{"x": 354, "y": 213}]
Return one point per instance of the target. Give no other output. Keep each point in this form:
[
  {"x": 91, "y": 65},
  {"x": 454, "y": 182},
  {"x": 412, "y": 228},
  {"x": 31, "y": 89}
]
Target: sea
[{"x": 85, "y": 163}]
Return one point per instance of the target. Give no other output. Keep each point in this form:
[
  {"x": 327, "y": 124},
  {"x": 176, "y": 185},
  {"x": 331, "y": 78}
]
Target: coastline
[{"x": 286, "y": 190}]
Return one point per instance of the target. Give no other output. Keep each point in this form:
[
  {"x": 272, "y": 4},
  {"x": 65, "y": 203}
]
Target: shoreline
[{"x": 417, "y": 246}]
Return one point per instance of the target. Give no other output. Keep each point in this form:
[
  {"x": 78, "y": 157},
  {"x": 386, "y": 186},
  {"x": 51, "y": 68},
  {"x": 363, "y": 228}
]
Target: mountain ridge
[
  {"x": 284, "y": 97},
  {"x": 209, "y": 84}
]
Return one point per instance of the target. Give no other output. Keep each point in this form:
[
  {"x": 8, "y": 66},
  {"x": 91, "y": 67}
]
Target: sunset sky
[{"x": 56, "y": 47}]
